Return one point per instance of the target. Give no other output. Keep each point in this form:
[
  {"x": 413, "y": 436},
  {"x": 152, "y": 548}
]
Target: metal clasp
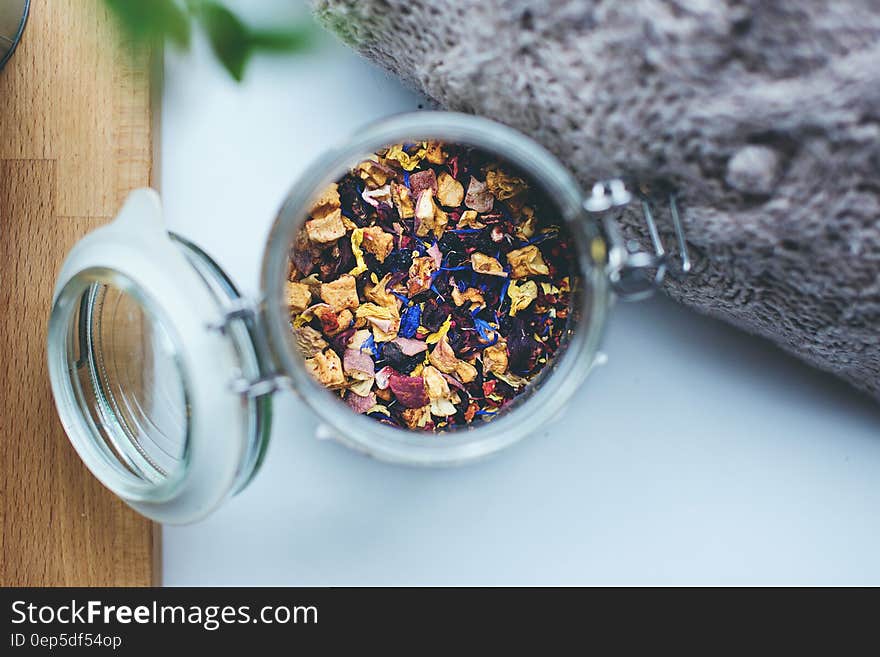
[
  {"x": 245, "y": 313},
  {"x": 630, "y": 269}
]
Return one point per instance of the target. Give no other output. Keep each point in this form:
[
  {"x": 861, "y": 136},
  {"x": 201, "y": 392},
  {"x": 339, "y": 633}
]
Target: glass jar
[
  {"x": 163, "y": 373},
  {"x": 13, "y": 16}
]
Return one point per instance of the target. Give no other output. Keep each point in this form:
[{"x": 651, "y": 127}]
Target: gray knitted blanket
[{"x": 765, "y": 115}]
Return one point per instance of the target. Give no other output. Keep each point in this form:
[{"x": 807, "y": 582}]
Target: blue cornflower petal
[
  {"x": 503, "y": 293},
  {"x": 485, "y": 331},
  {"x": 409, "y": 323},
  {"x": 370, "y": 345}
]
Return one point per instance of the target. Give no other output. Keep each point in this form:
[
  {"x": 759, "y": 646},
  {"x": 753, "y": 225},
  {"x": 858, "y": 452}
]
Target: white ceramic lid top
[{"x": 141, "y": 381}]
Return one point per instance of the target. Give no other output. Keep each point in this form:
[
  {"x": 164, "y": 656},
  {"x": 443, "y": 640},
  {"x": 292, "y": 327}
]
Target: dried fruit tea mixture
[{"x": 429, "y": 286}]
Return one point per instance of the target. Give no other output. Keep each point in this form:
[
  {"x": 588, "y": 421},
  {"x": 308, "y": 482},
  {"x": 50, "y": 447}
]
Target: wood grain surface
[{"x": 75, "y": 138}]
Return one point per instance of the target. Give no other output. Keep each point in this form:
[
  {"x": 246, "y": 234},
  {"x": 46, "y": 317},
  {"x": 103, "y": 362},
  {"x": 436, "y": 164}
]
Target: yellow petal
[
  {"x": 407, "y": 161},
  {"x": 440, "y": 333},
  {"x": 521, "y": 295},
  {"x": 357, "y": 238},
  {"x": 378, "y": 408}
]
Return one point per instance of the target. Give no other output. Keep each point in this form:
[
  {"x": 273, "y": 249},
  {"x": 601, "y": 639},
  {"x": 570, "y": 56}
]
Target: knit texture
[{"x": 764, "y": 114}]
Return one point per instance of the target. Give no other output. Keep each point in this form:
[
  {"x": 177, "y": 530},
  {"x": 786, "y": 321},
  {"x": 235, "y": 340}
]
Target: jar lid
[{"x": 143, "y": 384}]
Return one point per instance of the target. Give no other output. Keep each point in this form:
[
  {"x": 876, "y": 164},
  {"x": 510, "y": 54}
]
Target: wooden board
[{"x": 75, "y": 138}]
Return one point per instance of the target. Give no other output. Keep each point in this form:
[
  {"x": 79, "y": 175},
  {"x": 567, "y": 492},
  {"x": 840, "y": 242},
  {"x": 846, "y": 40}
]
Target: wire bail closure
[
  {"x": 269, "y": 381},
  {"x": 635, "y": 274}
]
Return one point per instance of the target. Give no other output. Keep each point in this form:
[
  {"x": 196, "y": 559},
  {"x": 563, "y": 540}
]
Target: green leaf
[
  {"x": 293, "y": 39},
  {"x": 152, "y": 21},
  {"x": 230, "y": 38}
]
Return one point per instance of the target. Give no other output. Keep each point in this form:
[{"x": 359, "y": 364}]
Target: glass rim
[
  {"x": 400, "y": 445},
  {"x": 78, "y": 424},
  {"x": 6, "y": 55}
]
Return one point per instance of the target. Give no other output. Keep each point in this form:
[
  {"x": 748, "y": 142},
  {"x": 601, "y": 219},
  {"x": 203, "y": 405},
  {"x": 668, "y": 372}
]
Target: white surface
[{"x": 697, "y": 455}]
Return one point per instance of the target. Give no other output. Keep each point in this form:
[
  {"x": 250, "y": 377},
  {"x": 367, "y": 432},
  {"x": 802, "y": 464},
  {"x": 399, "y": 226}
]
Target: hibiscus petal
[
  {"x": 360, "y": 404},
  {"x": 434, "y": 252},
  {"x": 355, "y": 360},
  {"x": 410, "y": 347},
  {"x": 383, "y": 376},
  {"x": 409, "y": 390}
]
